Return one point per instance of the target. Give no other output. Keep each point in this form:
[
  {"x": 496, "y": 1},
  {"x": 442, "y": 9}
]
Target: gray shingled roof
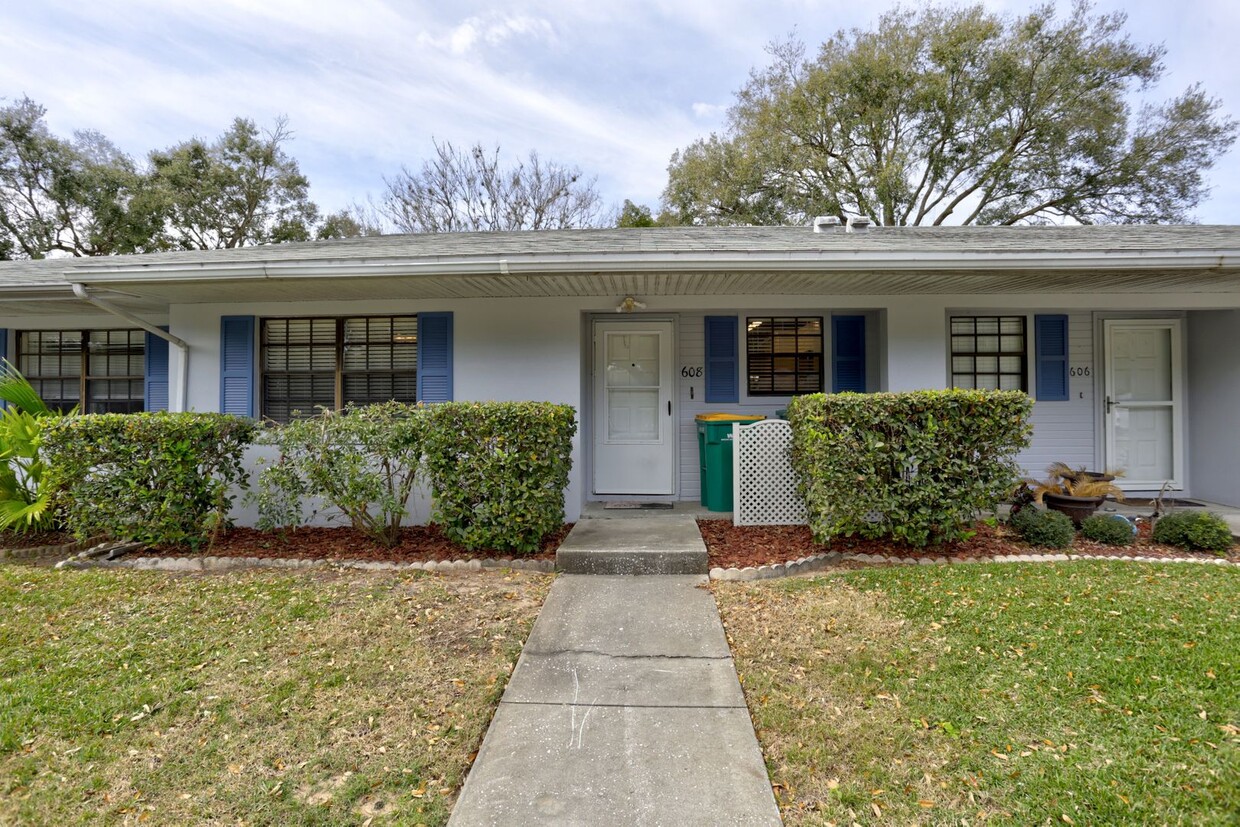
[{"x": 671, "y": 240}]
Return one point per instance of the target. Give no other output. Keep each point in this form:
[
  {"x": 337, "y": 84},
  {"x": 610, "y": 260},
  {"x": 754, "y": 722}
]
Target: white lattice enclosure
[{"x": 766, "y": 486}]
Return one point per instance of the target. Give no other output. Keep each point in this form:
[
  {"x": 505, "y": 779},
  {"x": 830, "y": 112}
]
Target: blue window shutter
[
  {"x": 237, "y": 365},
  {"x": 723, "y": 382},
  {"x": 1051, "y": 338},
  {"x": 434, "y": 357},
  {"x": 848, "y": 354},
  {"x": 155, "y": 396}
]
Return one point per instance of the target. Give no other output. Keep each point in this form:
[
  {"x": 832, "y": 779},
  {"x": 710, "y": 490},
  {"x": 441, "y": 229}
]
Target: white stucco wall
[
  {"x": 503, "y": 350},
  {"x": 1214, "y": 405},
  {"x": 514, "y": 349}
]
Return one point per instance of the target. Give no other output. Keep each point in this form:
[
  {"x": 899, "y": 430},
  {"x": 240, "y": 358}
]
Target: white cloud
[
  {"x": 709, "y": 110},
  {"x": 612, "y": 88},
  {"x": 493, "y": 30}
]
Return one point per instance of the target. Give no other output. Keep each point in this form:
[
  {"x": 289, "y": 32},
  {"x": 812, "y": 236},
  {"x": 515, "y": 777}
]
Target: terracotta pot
[{"x": 1077, "y": 508}]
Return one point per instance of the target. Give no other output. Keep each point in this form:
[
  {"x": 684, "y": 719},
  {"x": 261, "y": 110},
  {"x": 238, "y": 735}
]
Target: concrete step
[{"x": 662, "y": 544}]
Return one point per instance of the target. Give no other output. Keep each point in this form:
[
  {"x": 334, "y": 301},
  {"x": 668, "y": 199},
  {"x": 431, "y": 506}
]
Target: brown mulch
[
  {"x": 34, "y": 539},
  {"x": 418, "y": 544},
  {"x": 732, "y": 546}
]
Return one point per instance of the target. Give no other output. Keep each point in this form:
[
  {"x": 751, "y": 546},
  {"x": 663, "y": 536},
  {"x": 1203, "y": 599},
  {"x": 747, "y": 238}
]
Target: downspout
[{"x": 180, "y": 344}]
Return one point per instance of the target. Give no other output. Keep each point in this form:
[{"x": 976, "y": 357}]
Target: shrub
[
  {"x": 364, "y": 461},
  {"x": 1111, "y": 529},
  {"x": 26, "y": 488},
  {"x": 916, "y": 467},
  {"x": 498, "y": 470},
  {"x": 1194, "y": 530},
  {"x": 158, "y": 478},
  {"x": 1045, "y": 528}
]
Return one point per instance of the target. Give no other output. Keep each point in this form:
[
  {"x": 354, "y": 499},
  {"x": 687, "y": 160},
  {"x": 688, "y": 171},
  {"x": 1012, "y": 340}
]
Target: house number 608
[{"x": 691, "y": 372}]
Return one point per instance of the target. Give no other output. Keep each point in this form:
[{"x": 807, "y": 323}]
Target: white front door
[
  {"x": 1143, "y": 402},
  {"x": 634, "y": 429}
]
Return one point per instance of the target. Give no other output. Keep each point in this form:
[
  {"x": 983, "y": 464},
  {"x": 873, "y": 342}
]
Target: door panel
[
  {"x": 1143, "y": 416},
  {"x": 634, "y": 431}
]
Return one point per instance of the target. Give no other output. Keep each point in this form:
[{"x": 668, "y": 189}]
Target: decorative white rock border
[
  {"x": 210, "y": 563},
  {"x": 817, "y": 562}
]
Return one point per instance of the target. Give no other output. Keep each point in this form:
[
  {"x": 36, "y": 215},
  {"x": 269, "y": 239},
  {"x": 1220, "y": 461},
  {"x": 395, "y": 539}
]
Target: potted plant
[{"x": 1074, "y": 491}]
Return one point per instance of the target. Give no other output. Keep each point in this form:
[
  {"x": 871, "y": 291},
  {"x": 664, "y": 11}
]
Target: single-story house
[{"x": 1127, "y": 337}]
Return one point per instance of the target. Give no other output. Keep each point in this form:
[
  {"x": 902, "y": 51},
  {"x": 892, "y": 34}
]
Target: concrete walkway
[{"x": 624, "y": 709}]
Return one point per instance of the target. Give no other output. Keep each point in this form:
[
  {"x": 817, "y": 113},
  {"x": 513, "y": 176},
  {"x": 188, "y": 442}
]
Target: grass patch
[
  {"x": 255, "y": 698},
  {"x": 1084, "y": 693}
]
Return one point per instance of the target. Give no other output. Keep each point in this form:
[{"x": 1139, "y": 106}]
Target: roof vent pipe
[
  {"x": 823, "y": 223},
  {"x": 857, "y": 224}
]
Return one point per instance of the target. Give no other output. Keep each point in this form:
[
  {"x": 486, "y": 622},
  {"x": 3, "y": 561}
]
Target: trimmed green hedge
[
  {"x": 498, "y": 470},
  {"x": 1043, "y": 527},
  {"x": 1194, "y": 530},
  {"x": 915, "y": 467},
  {"x": 158, "y": 478},
  {"x": 1111, "y": 529}
]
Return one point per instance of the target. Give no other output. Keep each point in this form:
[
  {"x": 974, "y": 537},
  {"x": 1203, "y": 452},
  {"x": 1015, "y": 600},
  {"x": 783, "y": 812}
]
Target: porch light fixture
[{"x": 629, "y": 305}]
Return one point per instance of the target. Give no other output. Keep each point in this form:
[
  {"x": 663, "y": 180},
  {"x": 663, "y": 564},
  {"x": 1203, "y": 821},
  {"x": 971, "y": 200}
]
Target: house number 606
[
  {"x": 691, "y": 372},
  {"x": 1079, "y": 371}
]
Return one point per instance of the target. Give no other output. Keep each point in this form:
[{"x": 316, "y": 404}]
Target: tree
[
  {"x": 957, "y": 115},
  {"x": 350, "y": 222},
  {"x": 241, "y": 189},
  {"x": 639, "y": 215},
  {"x": 81, "y": 196},
  {"x": 460, "y": 191},
  {"x": 634, "y": 215}
]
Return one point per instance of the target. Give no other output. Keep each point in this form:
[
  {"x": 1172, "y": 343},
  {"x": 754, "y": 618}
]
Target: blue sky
[{"x": 613, "y": 88}]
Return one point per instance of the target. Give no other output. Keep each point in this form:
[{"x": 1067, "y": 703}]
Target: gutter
[
  {"x": 180, "y": 344},
  {"x": 697, "y": 261}
]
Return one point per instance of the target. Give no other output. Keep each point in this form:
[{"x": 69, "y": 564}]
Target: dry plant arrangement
[
  {"x": 1065, "y": 481},
  {"x": 1074, "y": 491}
]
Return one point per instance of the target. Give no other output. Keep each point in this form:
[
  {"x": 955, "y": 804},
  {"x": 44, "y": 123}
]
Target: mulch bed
[
  {"x": 732, "y": 546},
  {"x": 418, "y": 544},
  {"x": 33, "y": 539}
]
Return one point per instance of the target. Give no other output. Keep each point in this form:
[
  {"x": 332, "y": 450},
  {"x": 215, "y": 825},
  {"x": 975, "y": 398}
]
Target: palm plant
[{"x": 25, "y": 489}]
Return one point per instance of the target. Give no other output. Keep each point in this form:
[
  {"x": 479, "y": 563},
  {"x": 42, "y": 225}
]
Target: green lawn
[
  {"x": 254, "y": 698},
  {"x": 1082, "y": 693}
]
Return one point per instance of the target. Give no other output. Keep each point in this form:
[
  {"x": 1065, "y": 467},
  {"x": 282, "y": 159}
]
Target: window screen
[
  {"x": 784, "y": 355},
  {"x": 329, "y": 363},
  {"x": 988, "y": 352},
  {"x": 107, "y": 366}
]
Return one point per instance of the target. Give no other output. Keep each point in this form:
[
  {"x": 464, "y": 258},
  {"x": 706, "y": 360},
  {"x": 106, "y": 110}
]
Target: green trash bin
[{"x": 715, "y": 456}]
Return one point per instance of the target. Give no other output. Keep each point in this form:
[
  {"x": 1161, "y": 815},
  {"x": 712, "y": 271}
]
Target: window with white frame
[
  {"x": 989, "y": 352},
  {"x": 98, "y": 371},
  {"x": 312, "y": 363}
]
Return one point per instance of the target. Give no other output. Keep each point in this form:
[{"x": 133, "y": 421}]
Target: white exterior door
[
  {"x": 634, "y": 429},
  {"x": 1144, "y": 400}
]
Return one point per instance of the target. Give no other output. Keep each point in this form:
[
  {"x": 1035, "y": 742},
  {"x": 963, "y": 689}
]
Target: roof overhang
[
  {"x": 694, "y": 262},
  {"x": 151, "y": 287}
]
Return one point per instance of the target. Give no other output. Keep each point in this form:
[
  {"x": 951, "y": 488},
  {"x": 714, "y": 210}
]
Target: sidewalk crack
[{"x": 551, "y": 653}]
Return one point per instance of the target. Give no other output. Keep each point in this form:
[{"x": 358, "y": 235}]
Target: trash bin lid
[{"x": 727, "y": 417}]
